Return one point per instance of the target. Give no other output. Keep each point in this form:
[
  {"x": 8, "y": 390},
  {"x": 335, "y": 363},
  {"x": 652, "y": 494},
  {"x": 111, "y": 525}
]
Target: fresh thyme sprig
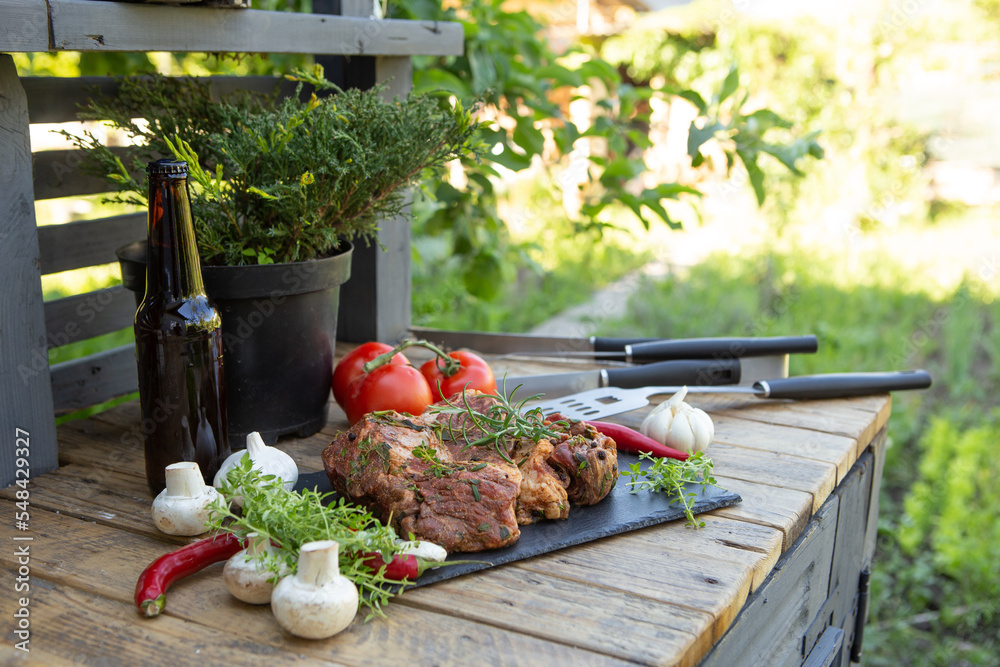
[
  {"x": 502, "y": 422},
  {"x": 292, "y": 518},
  {"x": 671, "y": 476},
  {"x": 435, "y": 466}
]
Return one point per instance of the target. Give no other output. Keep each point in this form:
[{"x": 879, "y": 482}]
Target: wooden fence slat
[
  {"x": 25, "y": 26},
  {"x": 84, "y": 382},
  {"x": 25, "y": 393},
  {"x": 57, "y": 99},
  {"x": 87, "y": 25},
  {"x": 87, "y": 243},
  {"x": 84, "y": 316},
  {"x": 58, "y": 173}
]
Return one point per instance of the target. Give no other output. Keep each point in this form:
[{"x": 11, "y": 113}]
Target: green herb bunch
[
  {"x": 278, "y": 179},
  {"x": 672, "y": 477},
  {"x": 504, "y": 422},
  {"x": 291, "y": 518}
]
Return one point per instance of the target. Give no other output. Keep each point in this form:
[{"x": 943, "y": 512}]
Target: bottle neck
[{"x": 172, "y": 266}]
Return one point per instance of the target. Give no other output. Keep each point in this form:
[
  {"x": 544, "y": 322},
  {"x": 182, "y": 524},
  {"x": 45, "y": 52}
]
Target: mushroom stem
[
  {"x": 319, "y": 562},
  {"x": 184, "y": 479}
]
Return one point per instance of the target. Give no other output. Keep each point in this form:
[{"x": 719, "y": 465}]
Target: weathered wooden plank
[
  {"x": 80, "y": 383},
  {"x": 783, "y": 509},
  {"x": 57, "y": 173},
  {"x": 774, "y": 469},
  {"x": 770, "y": 627},
  {"x": 95, "y": 442},
  {"x": 630, "y": 627},
  {"x": 376, "y": 303},
  {"x": 84, "y": 316},
  {"x": 88, "y": 25},
  {"x": 816, "y": 445},
  {"x": 25, "y": 390},
  {"x": 78, "y": 627},
  {"x": 878, "y": 450},
  {"x": 854, "y": 495},
  {"x": 666, "y": 572},
  {"x": 759, "y": 547},
  {"x": 98, "y": 495},
  {"x": 58, "y": 99},
  {"x": 87, "y": 242},
  {"x": 878, "y": 404},
  {"x": 81, "y": 570},
  {"x": 114, "y": 437},
  {"x": 825, "y": 416},
  {"x": 34, "y": 655},
  {"x": 25, "y": 26}
]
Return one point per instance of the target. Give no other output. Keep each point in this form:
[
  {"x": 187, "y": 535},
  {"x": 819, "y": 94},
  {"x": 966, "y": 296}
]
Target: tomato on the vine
[
  {"x": 474, "y": 374},
  {"x": 391, "y": 387},
  {"x": 350, "y": 367}
]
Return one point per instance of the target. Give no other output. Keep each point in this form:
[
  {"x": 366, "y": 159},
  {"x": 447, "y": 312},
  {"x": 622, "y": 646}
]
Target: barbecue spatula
[{"x": 606, "y": 401}]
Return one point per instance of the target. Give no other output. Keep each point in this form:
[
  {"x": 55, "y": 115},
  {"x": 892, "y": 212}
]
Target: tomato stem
[{"x": 451, "y": 365}]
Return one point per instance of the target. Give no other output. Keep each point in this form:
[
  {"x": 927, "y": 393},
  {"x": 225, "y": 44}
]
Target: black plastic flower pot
[{"x": 279, "y": 326}]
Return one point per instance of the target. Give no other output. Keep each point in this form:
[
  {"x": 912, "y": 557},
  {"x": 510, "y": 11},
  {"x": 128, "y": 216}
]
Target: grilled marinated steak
[
  {"x": 398, "y": 468},
  {"x": 589, "y": 459},
  {"x": 443, "y": 477},
  {"x": 543, "y": 490}
]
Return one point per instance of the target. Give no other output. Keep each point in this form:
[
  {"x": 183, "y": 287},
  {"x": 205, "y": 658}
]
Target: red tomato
[
  {"x": 474, "y": 374},
  {"x": 390, "y": 387},
  {"x": 349, "y": 367}
]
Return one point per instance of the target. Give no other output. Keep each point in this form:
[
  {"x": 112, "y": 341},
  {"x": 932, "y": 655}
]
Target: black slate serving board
[{"x": 620, "y": 512}]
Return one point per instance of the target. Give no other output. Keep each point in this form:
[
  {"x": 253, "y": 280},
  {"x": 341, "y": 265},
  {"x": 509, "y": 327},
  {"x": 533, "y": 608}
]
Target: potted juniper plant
[{"x": 281, "y": 186}]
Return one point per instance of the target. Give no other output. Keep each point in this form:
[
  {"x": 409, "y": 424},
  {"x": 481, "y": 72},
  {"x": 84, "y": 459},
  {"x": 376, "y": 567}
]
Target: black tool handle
[
  {"x": 616, "y": 344},
  {"x": 719, "y": 348},
  {"x": 693, "y": 372},
  {"x": 842, "y": 385}
]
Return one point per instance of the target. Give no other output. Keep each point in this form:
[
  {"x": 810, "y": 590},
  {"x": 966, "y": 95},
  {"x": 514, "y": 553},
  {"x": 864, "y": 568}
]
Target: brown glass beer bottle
[{"x": 178, "y": 339}]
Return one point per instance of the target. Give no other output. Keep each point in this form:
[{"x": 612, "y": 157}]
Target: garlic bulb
[
  {"x": 679, "y": 425},
  {"x": 266, "y": 460},
  {"x": 246, "y": 574},
  {"x": 182, "y": 507}
]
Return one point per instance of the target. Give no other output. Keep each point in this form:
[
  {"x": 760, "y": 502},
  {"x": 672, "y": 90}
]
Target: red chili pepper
[
  {"x": 630, "y": 440},
  {"x": 151, "y": 589},
  {"x": 402, "y": 566},
  {"x": 407, "y": 566}
]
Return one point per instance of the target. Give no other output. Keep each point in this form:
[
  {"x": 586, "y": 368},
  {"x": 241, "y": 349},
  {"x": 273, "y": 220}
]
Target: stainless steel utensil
[
  {"x": 632, "y": 350},
  {"x": 680, "y": 371},
  {"x": 607, "y": 401}
]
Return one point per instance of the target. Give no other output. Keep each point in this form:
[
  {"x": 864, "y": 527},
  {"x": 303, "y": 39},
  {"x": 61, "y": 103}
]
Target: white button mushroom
[
  {"x": 182, "y": 507},
  {"x": 247, "y": 575},
  {"x": 317, "y": 601}
]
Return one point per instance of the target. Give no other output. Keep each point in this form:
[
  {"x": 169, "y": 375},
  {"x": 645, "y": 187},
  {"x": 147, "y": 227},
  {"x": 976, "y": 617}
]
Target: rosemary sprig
[
  {"x": 504, "y": 421},
  {"x": 291, "y": 518},
  {"x": 671, "y": 476}
]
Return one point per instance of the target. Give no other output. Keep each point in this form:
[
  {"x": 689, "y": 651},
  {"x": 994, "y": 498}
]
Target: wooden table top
[{"x": 660, "y": 595}]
